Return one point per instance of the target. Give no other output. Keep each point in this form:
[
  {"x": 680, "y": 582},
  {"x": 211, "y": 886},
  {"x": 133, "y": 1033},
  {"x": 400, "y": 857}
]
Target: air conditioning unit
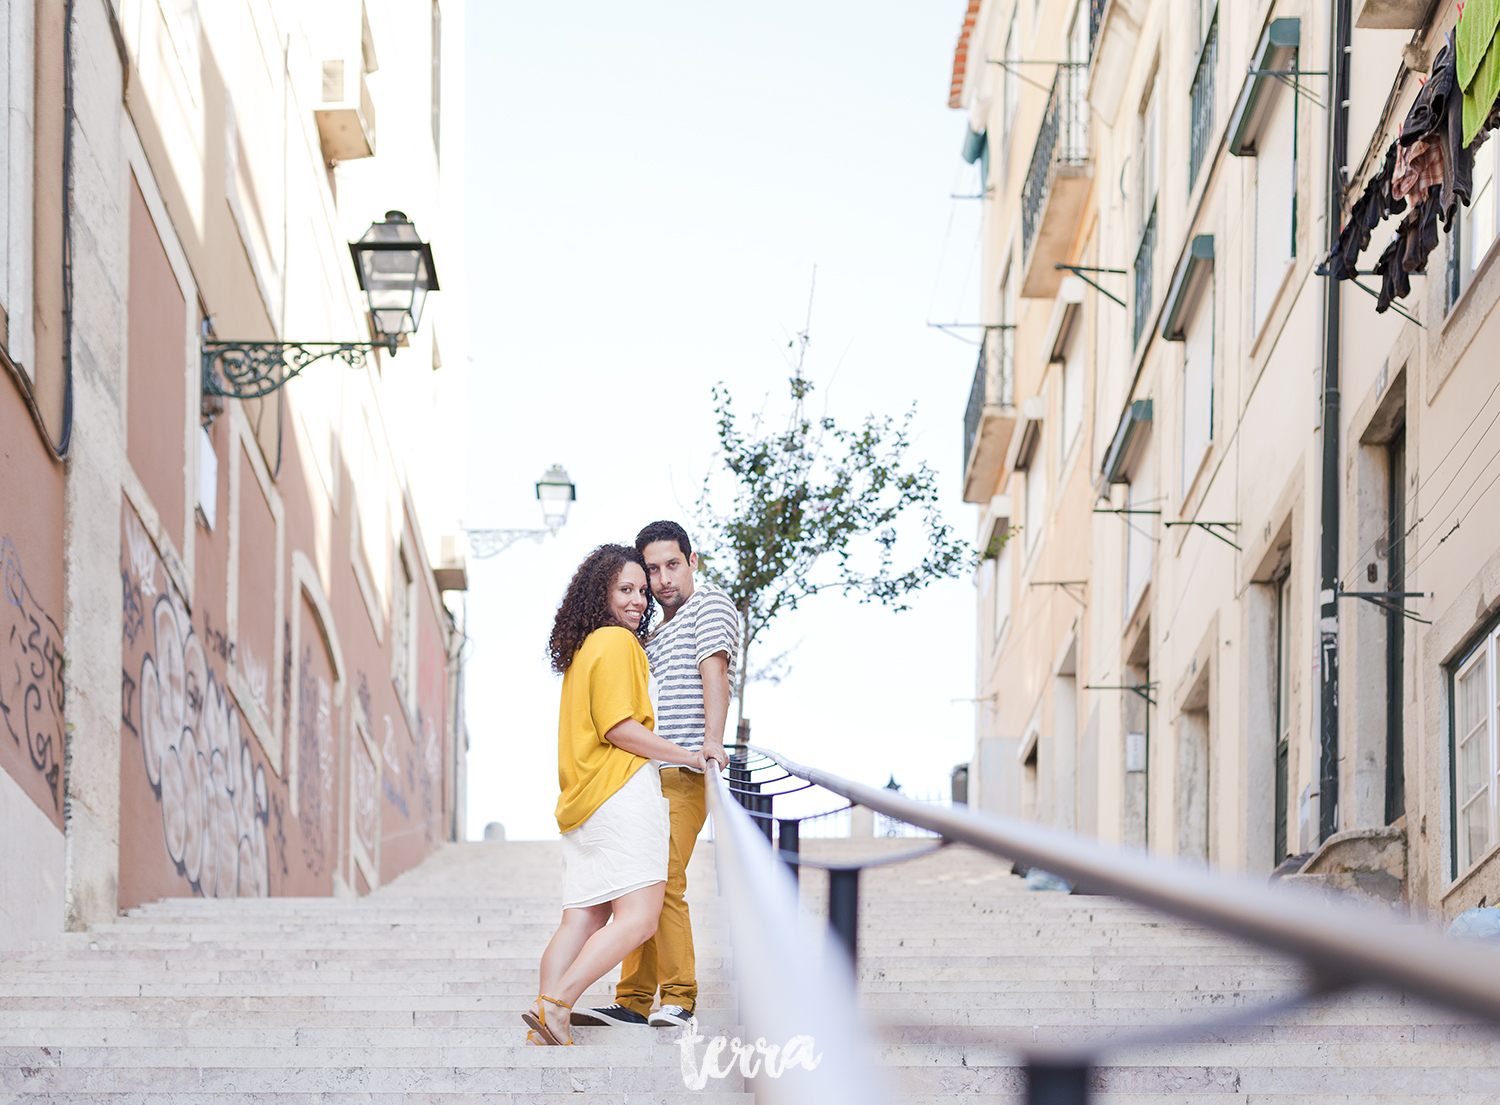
[{"x": 345, "y": 112}]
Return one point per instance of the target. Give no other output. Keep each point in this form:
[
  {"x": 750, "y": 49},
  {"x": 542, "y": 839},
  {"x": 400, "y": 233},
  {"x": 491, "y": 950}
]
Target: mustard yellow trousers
[{"x": 667, "y": 960}]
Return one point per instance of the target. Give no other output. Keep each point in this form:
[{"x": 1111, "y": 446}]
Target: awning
[
  {"x": 1129, "y": 442},
  {"x": 1189, "y": 282},
  {"x": 1274, "y": 53}
]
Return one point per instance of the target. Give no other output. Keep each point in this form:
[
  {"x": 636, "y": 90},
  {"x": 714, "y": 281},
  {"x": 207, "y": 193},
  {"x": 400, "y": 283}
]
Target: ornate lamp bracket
[
  {"x": 492, "y": 542},
  {"x": 255, "y": 369}
]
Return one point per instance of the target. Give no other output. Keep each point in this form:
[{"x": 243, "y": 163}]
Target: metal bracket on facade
[
  {"x": 1289, "y": 77},
  {"x": 1369, "y": 291},
  {"x": 1382, "y": 600},
  {"x": 949, "y": 327},
  {"x": 1212, "y": 529},
  {"x": 255, "y": 369},
  {"x": 1079, "y": 270},
  {"x": 1142, "y": 689},
  {"x": 1007, "y": 64},
  {"x": 1066, "y": 585}
]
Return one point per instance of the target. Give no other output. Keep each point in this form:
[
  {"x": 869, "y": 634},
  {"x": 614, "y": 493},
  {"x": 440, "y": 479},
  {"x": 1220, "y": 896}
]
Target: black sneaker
[
  {"x": 615, "y": 1014},
  {"x": 670, "y": 1016}
]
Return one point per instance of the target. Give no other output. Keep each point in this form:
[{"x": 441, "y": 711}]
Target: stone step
[
  {"x": 1240, "y": 1078},
  {"x": 497, "y": 1031},
  {"x": 555, "y": 1078},
  {"x": 411, "y": 1005},
  {"x": 236, "y": 1097}
]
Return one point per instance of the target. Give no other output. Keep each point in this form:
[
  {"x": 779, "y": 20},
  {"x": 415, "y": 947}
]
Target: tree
[{"x": 814, "y": 507}]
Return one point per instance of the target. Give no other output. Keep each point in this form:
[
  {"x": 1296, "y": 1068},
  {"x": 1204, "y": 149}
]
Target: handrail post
[
  {"x": 791, "y": 845},
  {"x": 843, "y": 908},
  {"x": 1056, "y": 1083}
]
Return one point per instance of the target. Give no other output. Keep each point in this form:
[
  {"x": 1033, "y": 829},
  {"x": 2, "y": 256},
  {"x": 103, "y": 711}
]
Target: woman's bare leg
[
  {"x": 635, "y": 916},
  {"x": 569, "y": 939}
]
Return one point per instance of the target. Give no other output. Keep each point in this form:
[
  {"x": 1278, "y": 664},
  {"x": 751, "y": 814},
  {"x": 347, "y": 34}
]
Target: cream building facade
[
  {"x": 1144, "y": 444},
  {"x": 230, "y": 658}
]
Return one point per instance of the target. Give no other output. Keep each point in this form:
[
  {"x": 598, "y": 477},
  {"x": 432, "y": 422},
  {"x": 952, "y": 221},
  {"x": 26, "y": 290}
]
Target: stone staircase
[
  {"x": 408, "y": 996},
  {"x": 964, "y": 971},
  {"x": 412, "y": 996}
]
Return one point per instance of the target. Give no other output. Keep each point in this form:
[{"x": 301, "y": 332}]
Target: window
[
  {"x": 1395, "y": 629},
  {"x": 1002, "y": 589},
  {"x": 1012, "y": 83},
  {"x": 1477, "y": 225},
  {"x": 1007, "y": 336},
  {"x": 404, "y": 633},
  {"x": 1283, "y": 633},
  {"x": 1474, "y": 755},
  {"x": 1140, "y": 541},
  {"x": 1275, "y": 204},
  {"x": 1036, "y": 498},
  {"x": 1198, "y": 389},
  {"x": 1071, "y": 401},
  {"x": 1148, "y": 151}
]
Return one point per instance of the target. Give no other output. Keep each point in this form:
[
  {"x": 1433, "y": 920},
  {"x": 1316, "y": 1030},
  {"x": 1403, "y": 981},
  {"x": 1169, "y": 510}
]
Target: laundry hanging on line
[{"x": 1431, "y": 163}]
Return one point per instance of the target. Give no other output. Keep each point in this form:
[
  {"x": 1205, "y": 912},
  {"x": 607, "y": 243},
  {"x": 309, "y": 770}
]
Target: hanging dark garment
[
  {"x": 1420, "y": 232},
  {"x": 1373, "y": 205},
  {"x": 1394, "y": 282},
  {"x": 1431, "y": 106}
]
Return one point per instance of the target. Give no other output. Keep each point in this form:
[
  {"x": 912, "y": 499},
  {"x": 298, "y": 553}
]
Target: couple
[{"x": 628, "y": 829}]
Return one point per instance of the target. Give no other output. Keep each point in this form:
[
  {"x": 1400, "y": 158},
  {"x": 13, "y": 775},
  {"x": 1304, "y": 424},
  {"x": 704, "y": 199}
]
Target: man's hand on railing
[{"x": 714, "y": 750}]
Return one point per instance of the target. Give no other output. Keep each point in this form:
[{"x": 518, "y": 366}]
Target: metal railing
[
  {"x": 1341, "y": 945},
  {"x": 1062, "y": 140},
  {"x": 790, "y": 986},
  {"x": 993, "y": 385},
  {"x": 1145, "y": 261},
  {"x": 1203, "y": 101}
]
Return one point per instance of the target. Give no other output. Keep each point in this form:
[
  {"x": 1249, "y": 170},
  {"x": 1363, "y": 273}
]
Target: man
[{"x": 692, "y": 657}]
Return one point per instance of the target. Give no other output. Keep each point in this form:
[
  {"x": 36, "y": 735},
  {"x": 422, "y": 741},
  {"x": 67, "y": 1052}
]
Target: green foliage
[{"x": 814, "y": 507}]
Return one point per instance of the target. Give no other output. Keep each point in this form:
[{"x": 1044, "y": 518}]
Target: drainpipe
[{"x": 1328, "y": 620}]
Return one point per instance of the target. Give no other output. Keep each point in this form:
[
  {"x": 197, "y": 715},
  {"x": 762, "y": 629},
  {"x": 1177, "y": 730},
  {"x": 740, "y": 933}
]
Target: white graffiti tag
[{"x": 214, "y": 805}]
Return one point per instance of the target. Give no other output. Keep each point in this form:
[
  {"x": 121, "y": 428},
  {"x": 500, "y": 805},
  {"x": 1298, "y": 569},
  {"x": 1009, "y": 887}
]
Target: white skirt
[{"x": 621, "y": 847}]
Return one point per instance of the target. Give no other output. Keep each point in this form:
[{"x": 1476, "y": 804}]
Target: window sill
[{"x": 1485, "y": 864}]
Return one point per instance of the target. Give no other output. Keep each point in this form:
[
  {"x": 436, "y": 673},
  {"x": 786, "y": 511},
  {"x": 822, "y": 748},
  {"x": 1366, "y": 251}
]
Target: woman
[{"x": 611, "y": 812}]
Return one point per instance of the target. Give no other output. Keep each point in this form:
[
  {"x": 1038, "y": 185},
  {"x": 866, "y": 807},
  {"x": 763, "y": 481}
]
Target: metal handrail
[
  {"x": 790, "y": 985},
  {"x": 1344, "y": 945}
]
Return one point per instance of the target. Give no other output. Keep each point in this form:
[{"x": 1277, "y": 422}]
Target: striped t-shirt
[{"x": 707, "y": 623}]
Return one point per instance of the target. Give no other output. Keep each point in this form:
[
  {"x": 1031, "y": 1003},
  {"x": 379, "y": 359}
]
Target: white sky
[{"x": 649, "y": 188}]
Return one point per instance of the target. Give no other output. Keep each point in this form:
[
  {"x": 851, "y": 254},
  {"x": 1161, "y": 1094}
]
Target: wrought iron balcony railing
[
  {"x": 1203, "y": 101},
  {"x": 1145, "y": 258},
  {"x": 993, "y": 386},
  {"x": 1062, "y": 140}
]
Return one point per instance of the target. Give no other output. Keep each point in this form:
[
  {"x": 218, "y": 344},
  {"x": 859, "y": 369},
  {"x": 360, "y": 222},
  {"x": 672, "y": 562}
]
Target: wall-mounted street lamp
[
  {"x": 556, "y": 493},
  {"x": 395, "y": 272}
]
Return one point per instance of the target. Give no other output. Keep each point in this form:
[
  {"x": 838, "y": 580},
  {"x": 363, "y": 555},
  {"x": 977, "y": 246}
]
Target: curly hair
[{"x": 585, "y": 607}]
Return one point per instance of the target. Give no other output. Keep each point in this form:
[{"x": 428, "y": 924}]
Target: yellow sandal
[{"x": 538, "y": 1021}]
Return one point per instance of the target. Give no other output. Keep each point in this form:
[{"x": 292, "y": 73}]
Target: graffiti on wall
[
  {"x": 214, "y": 803},
  {"x": 366, "y": 797},
  {"x": 315, "y": 761},
  {"x": 31, "y": 674}
]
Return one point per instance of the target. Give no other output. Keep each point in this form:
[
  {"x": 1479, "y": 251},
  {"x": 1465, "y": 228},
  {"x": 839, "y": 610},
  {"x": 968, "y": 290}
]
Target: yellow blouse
[{"x": 604, "y": 685}]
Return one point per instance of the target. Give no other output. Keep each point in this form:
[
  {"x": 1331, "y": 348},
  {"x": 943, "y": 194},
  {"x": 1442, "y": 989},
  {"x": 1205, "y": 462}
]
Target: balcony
[
  {"x": 990, "y": 418},
  {"x": 1203, "y": 102},
  {"x": 1057, "y": 184},
  {"x": 1145, "y": 264}
]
